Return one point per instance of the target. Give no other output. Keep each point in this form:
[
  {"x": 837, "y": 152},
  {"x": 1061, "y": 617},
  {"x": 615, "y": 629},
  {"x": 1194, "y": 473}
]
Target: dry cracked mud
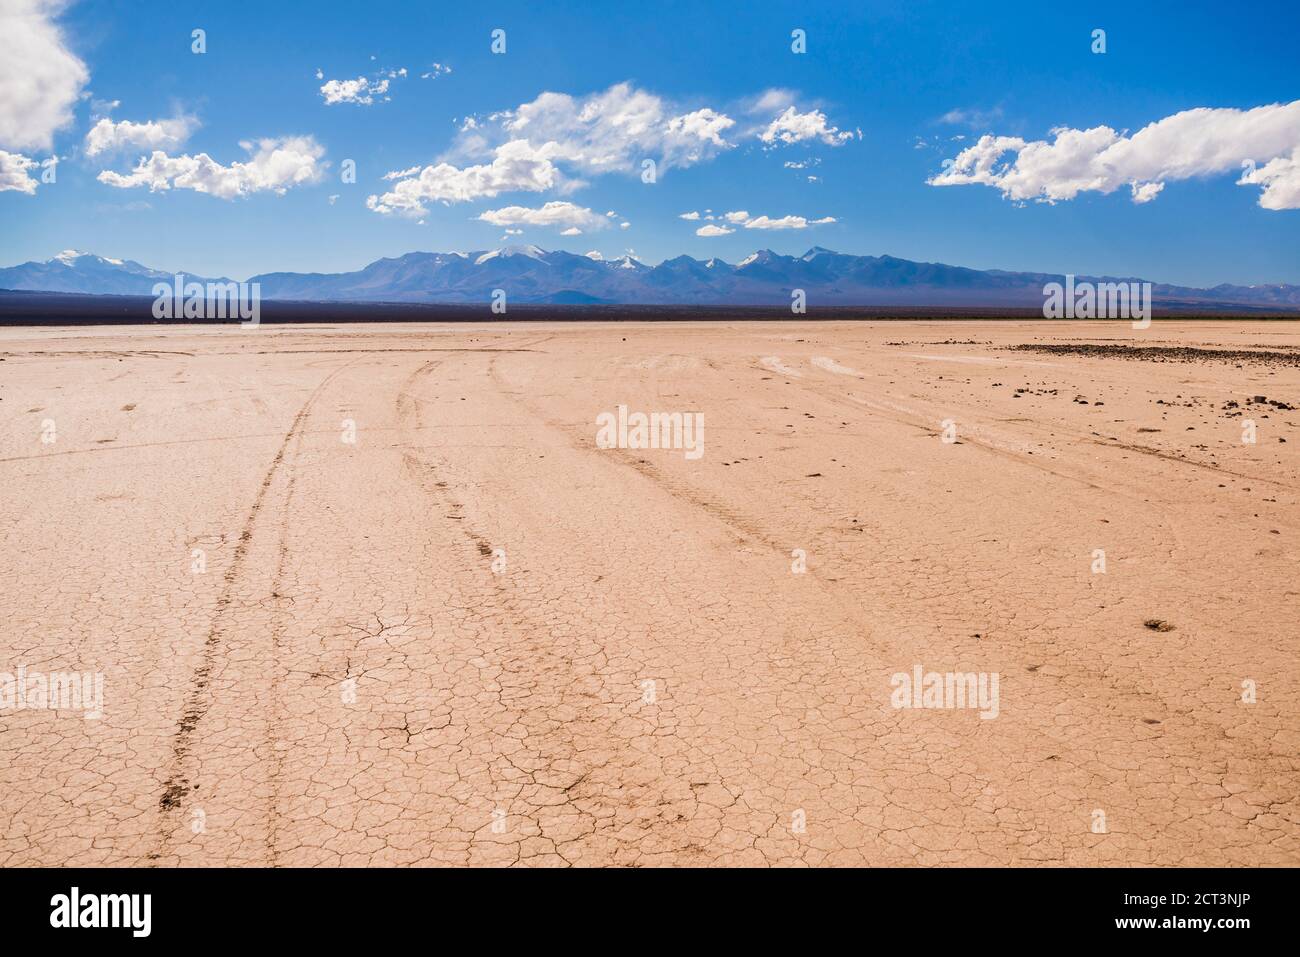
[{"x": 471, "y": 636}]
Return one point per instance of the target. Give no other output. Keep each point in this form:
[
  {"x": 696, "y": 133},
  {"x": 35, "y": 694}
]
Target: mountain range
[{"x": 529, "y": 274}]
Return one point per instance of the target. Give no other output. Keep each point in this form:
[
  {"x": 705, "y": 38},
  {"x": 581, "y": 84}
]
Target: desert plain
[{"x": 375, "y": 595}]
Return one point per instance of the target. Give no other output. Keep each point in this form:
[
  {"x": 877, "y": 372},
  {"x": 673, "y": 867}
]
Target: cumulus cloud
[
  {"x": 435, "y": 70},
  {"x": 705, "y": 124},
  {"x": 1280, "y": 178},
  {"x": 786, "y": 222},
  {"x": 1145, "y": 192},
  {"x": 1198, "y": 142},
  {"x": 554, "y": 140},
  {"x": 402, "y": 173},
  {"x": 742, "y": 217},
  {"x": 517, "y": 166},
  {"x": 795, "y": 127},
  {"x": 691, "y": 215},
  {"x": 13, "y": 173},
  {"x": 109, "y": 137},
  {"x": 274, "y": 164},
  {"x": 552, "y": 214},
  {"x": 360, "y": 91},
  {"x": 615, "y": 129},
  {"x": 40, "y": 78}
]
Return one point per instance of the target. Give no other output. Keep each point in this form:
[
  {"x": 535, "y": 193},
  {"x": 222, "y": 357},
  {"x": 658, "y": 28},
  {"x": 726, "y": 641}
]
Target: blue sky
[{"x": 912, "y": 78}]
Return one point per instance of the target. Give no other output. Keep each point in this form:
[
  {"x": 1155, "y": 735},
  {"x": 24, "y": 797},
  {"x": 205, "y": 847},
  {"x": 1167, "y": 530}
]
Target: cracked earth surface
[{"x": 473, "y": 637}]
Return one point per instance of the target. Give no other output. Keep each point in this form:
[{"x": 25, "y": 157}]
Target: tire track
[
  {"x": 1129, "y": 693},
  {"x": 535, "y": 670},
  {"x": 743, "y": 530},
  {"x": 177, "y": 785}
]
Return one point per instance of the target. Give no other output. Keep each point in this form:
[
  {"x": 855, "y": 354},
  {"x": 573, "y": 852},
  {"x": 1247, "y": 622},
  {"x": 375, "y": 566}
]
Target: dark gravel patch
[{"x": 1163, "y": 353}]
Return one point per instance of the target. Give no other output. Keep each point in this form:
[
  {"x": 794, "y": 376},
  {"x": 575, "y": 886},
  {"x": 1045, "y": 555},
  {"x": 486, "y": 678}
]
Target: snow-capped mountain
[
  {"x": 74, "y": 271},
  {"x": 530, "y": 274}
]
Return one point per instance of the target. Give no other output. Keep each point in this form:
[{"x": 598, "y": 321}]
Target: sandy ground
[{"x": 473, "y": 637}]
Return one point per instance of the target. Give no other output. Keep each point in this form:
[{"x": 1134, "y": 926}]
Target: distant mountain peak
[
  {"x": 530, "y": 274},
  {"x": 69, "y": 257},
  {"x": 762, "y": 257},
  {"x": 509, "y": 252}
]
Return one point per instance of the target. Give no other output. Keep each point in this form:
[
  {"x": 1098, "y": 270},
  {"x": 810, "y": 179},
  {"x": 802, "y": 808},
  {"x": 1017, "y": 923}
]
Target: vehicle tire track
[
  {"x": 738, "y": 525},
  {"x": 198, "y": 699}
]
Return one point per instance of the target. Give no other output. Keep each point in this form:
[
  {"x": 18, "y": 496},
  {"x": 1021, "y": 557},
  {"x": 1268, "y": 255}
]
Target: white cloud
[
  {"x": 616, "y": 129},
  {"x": 742, "y": 217},
  {"x": 572, "y": 231},
  {"x": 690, "y": 215},
  {"x": 275, "y": 164},
  {"x": 972, "y": 117},
  {"x": 361, "y": 91},
  {"x": 1192, "y": 143},
  {"x": 785, "y": 222},
  {"x": 795, "y": 127},
  {"x": 553, "y": 140},
  {"x": 100, "y": 108},
  {"x": 703, "y": 124},
  {"x": 551, "y": 215},
  {"x": 1145, "y": 192},
  {"x": 109, "y": 137},
  {"x": 772, "y": 101},
  {"x": 402, "y": 173},
  {"x": 13, "y": 173},
  {"x": 435, "y": 70},
  {"x": 1280, "y": 178},
  {"x": 40, "y": 78},
  {"x": 516, "y": 166}
]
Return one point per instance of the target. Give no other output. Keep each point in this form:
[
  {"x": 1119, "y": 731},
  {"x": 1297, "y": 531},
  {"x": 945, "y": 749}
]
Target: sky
[{"x": 990, "y": 136}]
